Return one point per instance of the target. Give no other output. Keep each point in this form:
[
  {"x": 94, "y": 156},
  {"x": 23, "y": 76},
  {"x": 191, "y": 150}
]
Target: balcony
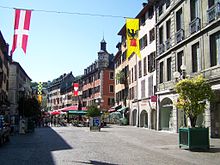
[
  {"x": 213, "y": 12},
  {"x": 168, "y": 43},
  {"x": 179, "y": 35},
  {"x": 194, "y": 25},
  {"x": 161, "y": 48}
]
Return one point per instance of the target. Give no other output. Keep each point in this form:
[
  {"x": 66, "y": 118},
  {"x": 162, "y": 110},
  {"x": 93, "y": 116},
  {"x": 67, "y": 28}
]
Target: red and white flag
[
  {"x": 21, "y": 28},
  {"x": 75, "y": 89}
]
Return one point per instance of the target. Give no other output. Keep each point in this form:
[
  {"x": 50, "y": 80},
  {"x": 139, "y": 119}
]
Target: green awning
[
  {"x": 77, "y": 112},
  {"x": 123, "y": 109}
]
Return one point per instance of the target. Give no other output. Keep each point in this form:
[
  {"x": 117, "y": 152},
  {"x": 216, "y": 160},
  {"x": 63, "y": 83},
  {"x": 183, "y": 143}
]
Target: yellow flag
[
  {"x": 132, "y": 28},
  {"x": 39, "y": 98}
]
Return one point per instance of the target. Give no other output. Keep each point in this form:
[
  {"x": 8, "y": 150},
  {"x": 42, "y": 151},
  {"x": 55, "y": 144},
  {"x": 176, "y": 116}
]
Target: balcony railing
[
  {"x": 194, "y": 25},
  {"x": 168, "y": 43},
  {"x": 179, "y": 35},
  {"x": 161, "y": 48},
  {"x": 213, "y": 12}
]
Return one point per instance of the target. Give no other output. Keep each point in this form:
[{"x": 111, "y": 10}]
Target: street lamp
[{"x": 180, "y": 76}]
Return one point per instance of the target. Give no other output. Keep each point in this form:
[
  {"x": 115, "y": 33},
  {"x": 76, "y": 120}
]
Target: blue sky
[{"x": 60, "y": 43}]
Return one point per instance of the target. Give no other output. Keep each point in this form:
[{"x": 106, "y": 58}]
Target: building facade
[
  {"x": 98, "y": 81},
  {"x": 187, "y": 45},
  {"x": 19, "y": 86},
  {"x": 60, "y": 92},
  {"x": 142, "y": 84},
  {"x": 4, "y": 76}
]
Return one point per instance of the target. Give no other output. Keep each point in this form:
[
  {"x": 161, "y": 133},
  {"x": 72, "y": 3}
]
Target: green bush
[{"x": 93, "y": 111}]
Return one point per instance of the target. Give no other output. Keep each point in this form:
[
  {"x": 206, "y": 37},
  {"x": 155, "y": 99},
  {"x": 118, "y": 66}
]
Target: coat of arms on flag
[
  {"x": 75, "y": 89},
  {"x": 21, "y": 28},
  {"x": 132, "y": 28}
]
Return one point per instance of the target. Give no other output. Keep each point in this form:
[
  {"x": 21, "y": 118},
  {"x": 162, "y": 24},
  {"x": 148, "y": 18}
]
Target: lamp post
[{"x": 180, "y": 76}]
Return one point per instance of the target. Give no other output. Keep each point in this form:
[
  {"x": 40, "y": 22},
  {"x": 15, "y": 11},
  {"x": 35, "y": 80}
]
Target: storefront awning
[
  {"x": 115, "y": 108},
  {"x": 72, "y": 108},
  {"x": 123, "y": 109},
  {"x": 77, "y": 112}
]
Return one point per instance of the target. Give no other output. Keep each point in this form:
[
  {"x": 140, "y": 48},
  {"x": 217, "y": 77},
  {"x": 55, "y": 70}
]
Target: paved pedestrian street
[{"x": 113, "y": 145}]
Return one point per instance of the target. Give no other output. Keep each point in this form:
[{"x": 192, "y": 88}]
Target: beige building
[
  {"x": 142, "y": 72},
  {"x": 19, "y": 86},
  {"x": 188, "y": 44}
]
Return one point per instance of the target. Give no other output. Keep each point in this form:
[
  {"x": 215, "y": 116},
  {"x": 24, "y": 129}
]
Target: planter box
[{"x": 194, "y": 138}]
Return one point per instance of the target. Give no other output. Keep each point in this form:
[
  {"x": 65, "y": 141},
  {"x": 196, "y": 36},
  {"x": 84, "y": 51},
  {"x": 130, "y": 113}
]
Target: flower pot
[{"x": 194, "y": 138}]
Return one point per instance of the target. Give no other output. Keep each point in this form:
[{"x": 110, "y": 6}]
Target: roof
[{"x": 16, "y": 63}]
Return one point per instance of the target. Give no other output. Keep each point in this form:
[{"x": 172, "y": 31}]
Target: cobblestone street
[{"x": 113, "y": 145}]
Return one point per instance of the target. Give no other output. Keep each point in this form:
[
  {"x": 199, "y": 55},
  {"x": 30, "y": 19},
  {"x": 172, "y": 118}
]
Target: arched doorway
[
  {"x": 166, "y": 114},
  {"x": 144, "y": 119},
  {"x": 134, "y": 117}
]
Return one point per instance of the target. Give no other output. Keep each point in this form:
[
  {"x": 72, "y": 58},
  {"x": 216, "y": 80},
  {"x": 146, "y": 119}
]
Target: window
[
  {"x": 161, "y": 35},
  {"x": 160, "y": 8},
  {"x": 132, "y": 75},
  {"x": 161, "y": 72},
  {"x": 135, "y": 72},
  {"x": 179, "y": 61},
  {"x": 196, "y": 63},
  {"x": 151, "y": 62},
  {"x": 150, "y": 86},
  {"x": 151, "y": 12},
  {"x": 212, "y": 2},
  {"x": 194, "y": 9},
  {"x": 145, "y": 66},
  {"x": 111, "y": 88},
  {"x": 152, "y": 35},
  {"x": 142, "y": 20},
  {"x": 179, "y": 19},
  {"x": 143, "y": 89},
  {"x": 215, "y": 49},
  {"x": 111, "y": 75},
  {"x": 169, "y": 69},
  {"x": 167, "y": 3},
  {"x": 111, "y": 101},
  {"x": 143, "y": 42},
  {"x": 140, "y": 69},
  {"x": 168, "y": 25}
]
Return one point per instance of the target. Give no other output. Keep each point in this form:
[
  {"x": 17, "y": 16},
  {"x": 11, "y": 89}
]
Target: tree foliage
[
  {"x": 93, "y": 111},
  {"x": 193, "y": 94},
  {"x": 29, "y": 107}
]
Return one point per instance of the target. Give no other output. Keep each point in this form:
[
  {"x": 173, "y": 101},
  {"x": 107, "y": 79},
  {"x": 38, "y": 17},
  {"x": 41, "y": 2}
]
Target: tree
[
  {"x": 193, "y": 94},
  {"x": 93, "y": 111},
  {"x": 29, "y": 107},
  {"x": 121, "y": 76}
]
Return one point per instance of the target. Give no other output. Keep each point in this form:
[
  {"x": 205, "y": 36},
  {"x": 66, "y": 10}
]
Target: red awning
[
  {"x": 111, "y": 110},
  {"x": 72, "y": 108},
  {"x": 56, "y": 112}
]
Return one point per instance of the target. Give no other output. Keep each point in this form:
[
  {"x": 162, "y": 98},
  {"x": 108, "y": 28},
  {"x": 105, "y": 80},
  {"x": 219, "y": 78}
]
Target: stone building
[
  {"x": 4, "y": 76},
  {"x": 19, "y": 86},
  {"x": 188, "y": 42},
  {"x": 60, "y": 92},
  {"x": 98, "y": 81}
]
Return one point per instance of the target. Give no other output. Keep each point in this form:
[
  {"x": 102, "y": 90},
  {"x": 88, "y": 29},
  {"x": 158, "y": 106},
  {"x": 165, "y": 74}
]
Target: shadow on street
[{"x": 32, "y": 148}]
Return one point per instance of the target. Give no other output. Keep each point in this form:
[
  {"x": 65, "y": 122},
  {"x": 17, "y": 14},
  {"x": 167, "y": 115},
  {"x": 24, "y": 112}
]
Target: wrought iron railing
[
  {"x": 194, "y": 25},
  {"x": 161, "y": 48},
  {"x": 179, "y": 35},
  {"x": 213, "y": 12},
  {"x": 168, "y": 43}
]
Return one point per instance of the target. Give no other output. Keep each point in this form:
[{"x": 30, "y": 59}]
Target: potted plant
[
  {"x": 94, "y": 114},
  {"x": 193, "y": 95}
]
